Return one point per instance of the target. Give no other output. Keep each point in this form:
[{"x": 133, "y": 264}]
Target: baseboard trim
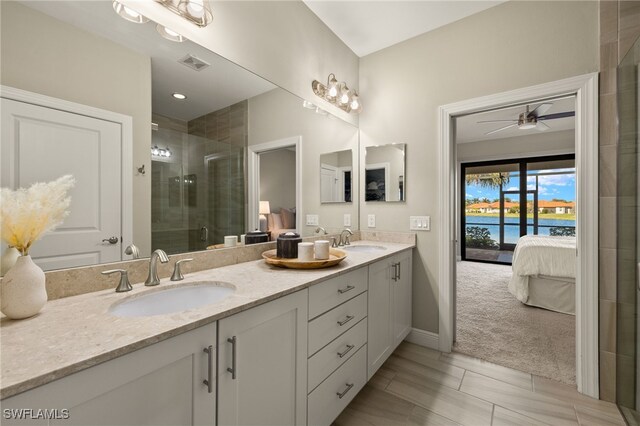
[{"x": 424, "y": 338}]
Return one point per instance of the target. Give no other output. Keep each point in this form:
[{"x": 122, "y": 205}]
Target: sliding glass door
[{"x": 500, "y": 206}]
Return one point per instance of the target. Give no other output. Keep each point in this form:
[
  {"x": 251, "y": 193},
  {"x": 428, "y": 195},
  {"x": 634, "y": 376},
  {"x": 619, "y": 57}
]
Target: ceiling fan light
[{"x": 128, "y": 13}]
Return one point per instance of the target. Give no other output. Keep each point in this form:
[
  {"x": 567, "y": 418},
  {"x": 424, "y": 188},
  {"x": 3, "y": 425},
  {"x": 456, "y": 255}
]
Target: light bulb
[
  {"x": 128, "y": 13},
  {"x": 344, "y": 98},
  {"x": 354, "y": 103},
  {"x": 169, "y": 34},
  {"x": 332, "y": 86},
  {"x": 179, "y": 96},
  {"x": 154, "y": 150},
  {"x": 195, "y": 8}
]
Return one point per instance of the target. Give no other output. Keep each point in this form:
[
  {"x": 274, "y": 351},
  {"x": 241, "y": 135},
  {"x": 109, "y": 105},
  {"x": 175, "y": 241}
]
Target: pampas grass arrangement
[{"x": 27, "y": 214}]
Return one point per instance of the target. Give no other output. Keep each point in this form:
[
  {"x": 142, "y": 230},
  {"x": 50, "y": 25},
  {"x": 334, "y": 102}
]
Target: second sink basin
[
  {"x": 174, "y": 299},
  {"x": 365, "y": 248}
]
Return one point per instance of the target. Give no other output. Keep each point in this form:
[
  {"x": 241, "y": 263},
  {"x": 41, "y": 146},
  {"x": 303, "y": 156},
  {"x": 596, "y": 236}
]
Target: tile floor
[{"x": 420, "y": 386}]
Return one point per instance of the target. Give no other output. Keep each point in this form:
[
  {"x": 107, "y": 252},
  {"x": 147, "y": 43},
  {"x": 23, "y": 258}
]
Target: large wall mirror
[
  {"x": 180, "y": 179},
  {"x": 336, "y": 177},
  {"x": 384, "y": 175}
]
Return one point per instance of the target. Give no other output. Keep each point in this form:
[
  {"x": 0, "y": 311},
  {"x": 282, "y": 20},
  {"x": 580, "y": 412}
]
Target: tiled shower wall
[{"x": 619, "y": 28}]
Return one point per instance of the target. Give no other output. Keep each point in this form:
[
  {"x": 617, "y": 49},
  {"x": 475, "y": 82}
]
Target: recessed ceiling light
[
  {"x": 128, "y": 13},
  {"x": 179, "y": 96},
  {"x": 169, "y": 34}
]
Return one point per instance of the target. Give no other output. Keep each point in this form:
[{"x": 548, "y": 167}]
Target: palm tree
[{"x": 488, "y": 180}]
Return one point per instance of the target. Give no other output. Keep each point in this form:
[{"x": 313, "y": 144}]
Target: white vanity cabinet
[
  {"x": 262, "y": 364},
  {"x": 389, "y": 307},
  {"x": 161, "y": 384}
]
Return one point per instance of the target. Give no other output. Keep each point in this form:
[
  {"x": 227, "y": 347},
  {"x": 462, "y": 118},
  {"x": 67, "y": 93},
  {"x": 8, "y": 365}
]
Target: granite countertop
[{"x": 75, "y": 333}]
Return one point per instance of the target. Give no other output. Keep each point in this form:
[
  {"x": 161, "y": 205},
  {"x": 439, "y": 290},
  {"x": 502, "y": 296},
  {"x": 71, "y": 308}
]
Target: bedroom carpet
[{"x": 493, "y": 325}]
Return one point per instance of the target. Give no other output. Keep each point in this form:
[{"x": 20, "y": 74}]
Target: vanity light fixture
[
  {"x": 195, "y": 11},
  {"x": 160, "y": 152},
  {"x": 338, "y": 94},
  {"x": 128, "y": 13},
  {"x": 179, "y": 96},
  {"x": 169, "y": 34}
]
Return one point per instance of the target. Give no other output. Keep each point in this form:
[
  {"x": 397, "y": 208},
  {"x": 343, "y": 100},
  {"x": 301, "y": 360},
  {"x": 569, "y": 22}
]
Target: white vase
[
  {"x": 8, "y": 259},
  {"x": 23, "y": 290}
]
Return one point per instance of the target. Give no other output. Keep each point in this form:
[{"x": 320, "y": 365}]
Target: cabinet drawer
[
  {"x": 336, "y": 353},
  {"x": 331, "y": 293},
  {"x": 328, "y": 400},
  {"x": 327, "y": 327}
]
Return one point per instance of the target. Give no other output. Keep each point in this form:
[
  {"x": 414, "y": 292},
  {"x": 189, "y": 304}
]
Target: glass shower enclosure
[
  {"x": 628, "y": 260},
  {"x": 197, "y": 191}
]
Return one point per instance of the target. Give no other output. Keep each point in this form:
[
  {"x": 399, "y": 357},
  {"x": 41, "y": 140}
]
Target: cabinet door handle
[
  {"x": 346, "y": 351},
  {"x": 346, "y": 320},
  {"x": 346, "y": 289},
  {"x": 233, "y": 368},
  {"x": 395, "y": 271},
  {"x": 399, "y": 270},
  {"x": 209, "y": 380},
  {"x": 344, "y": 392}
]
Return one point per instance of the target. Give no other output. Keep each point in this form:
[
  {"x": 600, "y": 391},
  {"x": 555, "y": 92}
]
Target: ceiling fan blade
[
  {"x": 496, "y": 121},
  {"x": 542, "y": 126},
  {"x": 501, "y": 129},
  {"x": 540, "y": 109},
  {"x": 557, "y": 115}
]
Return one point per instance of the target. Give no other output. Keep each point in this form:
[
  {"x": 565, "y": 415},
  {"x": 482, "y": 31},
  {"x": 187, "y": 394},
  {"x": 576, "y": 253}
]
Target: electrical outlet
[
  {"x": 312, "y": 220},
  {"x": 371, "y": 221},
  {"x": 347, "y": 219},
  {"x": 420, "y": 223}
]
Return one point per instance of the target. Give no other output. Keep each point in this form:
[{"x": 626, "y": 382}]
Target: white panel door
[
  {"x": 328, "y": 184},
  {"x": 40, "y": 144}
]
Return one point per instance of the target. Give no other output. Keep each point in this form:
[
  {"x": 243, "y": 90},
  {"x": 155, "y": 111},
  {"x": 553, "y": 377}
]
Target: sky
[{"x": 549, "y": 187}]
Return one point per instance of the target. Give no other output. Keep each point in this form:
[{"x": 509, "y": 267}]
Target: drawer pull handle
[
  {"x": 344, "y": 392},
  {"x": 346, "y": 320},
  {"x": 233, "y": 369},
  {"x": 346, "y": 289},
  {"x": 209, "y": 381},
  {"x": 346, "y": 351}
]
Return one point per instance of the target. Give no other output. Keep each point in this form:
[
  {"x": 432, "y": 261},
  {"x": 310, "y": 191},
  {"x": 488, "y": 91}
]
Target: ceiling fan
[{"x": 531, "y": 119}]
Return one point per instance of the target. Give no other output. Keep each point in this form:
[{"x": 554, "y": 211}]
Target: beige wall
[
  {"x": 282, "y": 41},
  {"x": 404, "y": 84},
  {"x": 279, "y": 115},
  {"x": 278, "y": 179},
  {"x": 46, "y": 56}
]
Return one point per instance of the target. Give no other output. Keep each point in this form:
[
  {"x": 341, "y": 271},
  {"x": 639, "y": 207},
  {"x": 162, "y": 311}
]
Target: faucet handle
[
  {"x": 346, "y": 240},
  {"x": 124, "y": 284},
  {"x": 177, "y": 273},
  {"x": 334, "y": 243}
]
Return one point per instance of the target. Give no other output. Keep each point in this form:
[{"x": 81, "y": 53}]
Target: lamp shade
[{"x": 264, "y": 207}]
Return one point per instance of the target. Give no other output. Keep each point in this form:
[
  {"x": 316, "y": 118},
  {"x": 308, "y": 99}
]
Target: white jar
[{"x": 305, "y": 252}]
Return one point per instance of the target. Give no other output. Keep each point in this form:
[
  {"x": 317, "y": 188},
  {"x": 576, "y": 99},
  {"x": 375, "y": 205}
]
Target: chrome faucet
[
  {"x": 153, "y": 279},
  {"x": 344, "y": 239},
  {"x": 132, "y": 250},
  {"x": 320, "y": 228}
]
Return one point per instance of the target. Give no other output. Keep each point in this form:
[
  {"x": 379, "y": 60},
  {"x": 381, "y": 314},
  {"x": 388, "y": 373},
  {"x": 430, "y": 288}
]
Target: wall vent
[{"x": 193, "y": 62}]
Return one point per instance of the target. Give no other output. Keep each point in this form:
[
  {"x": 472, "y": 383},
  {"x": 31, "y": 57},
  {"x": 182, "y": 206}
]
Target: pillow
[
  {"x": 270, "y": 220},
  {"x": 288, "y": 218},
  {"x": 276, "y": 221}
]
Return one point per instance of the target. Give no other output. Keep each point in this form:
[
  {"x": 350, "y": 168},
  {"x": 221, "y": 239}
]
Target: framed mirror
[
  {"x": 336, "y": 177},
  {"x": 384, "y": 175},
  {"x": 182, "y": 120}
]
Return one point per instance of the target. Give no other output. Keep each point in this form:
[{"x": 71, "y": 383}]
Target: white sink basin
[
  {"x": 365, "y": 248},
  {"x": 175, "y": 299}
]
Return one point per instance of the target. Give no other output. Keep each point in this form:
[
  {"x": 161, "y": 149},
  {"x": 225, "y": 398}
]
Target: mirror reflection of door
[
  {"x": 278, "y": 188},
  {"x": 335, "y": 177}
]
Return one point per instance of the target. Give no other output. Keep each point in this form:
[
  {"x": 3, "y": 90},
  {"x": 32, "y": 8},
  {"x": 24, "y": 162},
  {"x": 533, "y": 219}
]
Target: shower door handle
[
  {"x": 204, "y": 234},
  {"x": 638, "y": 276}
]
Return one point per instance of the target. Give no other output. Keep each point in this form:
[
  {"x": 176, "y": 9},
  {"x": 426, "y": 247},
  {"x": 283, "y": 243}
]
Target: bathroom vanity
[{"x": 287, "y": 347}]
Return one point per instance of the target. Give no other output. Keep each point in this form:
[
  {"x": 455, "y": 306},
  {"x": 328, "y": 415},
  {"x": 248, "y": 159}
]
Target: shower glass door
[{"x": 627, "y": 327}]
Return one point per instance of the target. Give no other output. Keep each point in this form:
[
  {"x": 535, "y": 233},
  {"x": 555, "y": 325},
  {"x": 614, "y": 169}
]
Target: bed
[
  {"x": 544, "y": 272},
  {"x": 281, "y": 222}
]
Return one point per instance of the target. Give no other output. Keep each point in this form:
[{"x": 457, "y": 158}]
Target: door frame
[
  {"x": 254, "y": 177},
  {"x": 585, "y": 89},
  {"x": 126, "y": 128}
]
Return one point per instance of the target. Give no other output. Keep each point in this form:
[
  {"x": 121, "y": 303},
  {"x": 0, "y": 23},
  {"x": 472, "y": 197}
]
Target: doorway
[{"x": 584, "y": 88}]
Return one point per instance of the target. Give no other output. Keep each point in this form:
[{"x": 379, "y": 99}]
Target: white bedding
[{"x": 541, "y": 255}]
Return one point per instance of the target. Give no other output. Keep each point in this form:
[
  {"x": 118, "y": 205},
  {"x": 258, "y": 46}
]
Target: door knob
[{"x": 112, "y": 240}]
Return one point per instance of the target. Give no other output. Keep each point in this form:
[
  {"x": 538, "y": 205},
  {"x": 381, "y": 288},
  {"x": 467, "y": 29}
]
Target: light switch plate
[
  {"x": 371, "y": 221},
  {"x": 420, "y": 223},
  {"x": 312, "y": 220},
  {"x": 347, "y": 219}
]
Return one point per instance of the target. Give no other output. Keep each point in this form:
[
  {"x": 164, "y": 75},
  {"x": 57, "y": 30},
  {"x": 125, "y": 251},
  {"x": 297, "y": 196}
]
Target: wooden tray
[{"x": 335, "y": 256}]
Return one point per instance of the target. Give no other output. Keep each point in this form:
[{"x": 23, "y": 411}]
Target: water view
[{"x": 512, "y": 226}]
